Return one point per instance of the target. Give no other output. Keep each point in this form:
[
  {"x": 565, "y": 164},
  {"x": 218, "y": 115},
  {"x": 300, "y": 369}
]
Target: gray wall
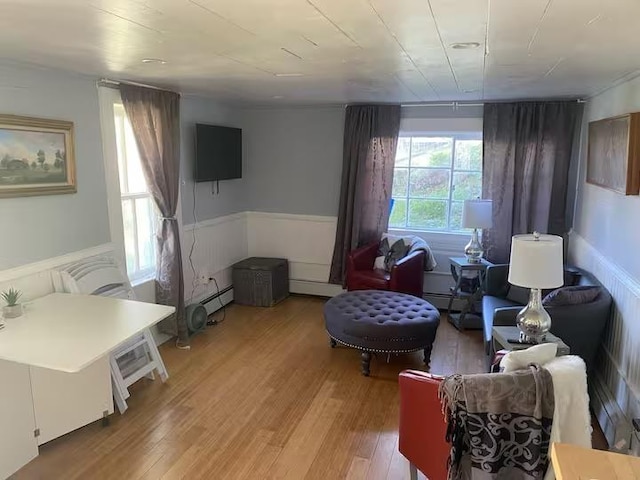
[
  {"x": 37, "y": 228},
  {"x": 294, "y": 159},
  {"x": 233, "y": 193},
  {"x": 607, "y": 220}
]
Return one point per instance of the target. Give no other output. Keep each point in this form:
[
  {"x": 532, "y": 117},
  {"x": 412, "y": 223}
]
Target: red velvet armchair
[
  {"x": 422, "y": 425},
  {"x": 406, "y": 276}
]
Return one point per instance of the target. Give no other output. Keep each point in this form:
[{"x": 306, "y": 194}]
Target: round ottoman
[{"x": 381, "y": 321}]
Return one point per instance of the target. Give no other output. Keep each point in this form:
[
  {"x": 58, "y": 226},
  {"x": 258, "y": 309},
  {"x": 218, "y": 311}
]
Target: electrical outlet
[{"x": 203, "y": 279}]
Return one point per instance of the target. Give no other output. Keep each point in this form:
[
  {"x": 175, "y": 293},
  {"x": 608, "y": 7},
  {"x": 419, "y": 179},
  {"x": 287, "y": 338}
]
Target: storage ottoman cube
[{"x": 260, "y": 281}]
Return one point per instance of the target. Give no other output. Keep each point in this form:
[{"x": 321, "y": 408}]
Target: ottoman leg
[
  {"x": 366, "y": 361},
  {"x": 332, "y": 342},
  {"x": 427, "y": 355}
]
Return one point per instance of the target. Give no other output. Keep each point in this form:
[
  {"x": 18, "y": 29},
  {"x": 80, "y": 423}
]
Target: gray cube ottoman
[{"x": 381, "y": 321}]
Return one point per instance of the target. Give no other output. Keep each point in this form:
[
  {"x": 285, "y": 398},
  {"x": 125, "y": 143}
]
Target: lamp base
[
  {"x": 473, "y": 251},
  {"x": 533, "y": 320}
]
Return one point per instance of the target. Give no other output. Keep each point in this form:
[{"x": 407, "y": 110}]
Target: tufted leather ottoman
[{"x": 381, "y": 321}]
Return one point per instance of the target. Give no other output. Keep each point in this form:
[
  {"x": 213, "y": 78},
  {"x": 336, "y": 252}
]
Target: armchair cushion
[
  {"x": 375, "y": 279},
  {"x": 575, "y": 295}
]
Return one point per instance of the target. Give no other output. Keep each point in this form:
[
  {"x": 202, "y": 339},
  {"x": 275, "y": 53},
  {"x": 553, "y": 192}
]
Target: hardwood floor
[{"x": 261, "y": 395}]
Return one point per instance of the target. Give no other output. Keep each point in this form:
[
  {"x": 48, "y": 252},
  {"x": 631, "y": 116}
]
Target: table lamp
[
  {"x": 476, "y": 214},
  {"x": 536, "y": 263}
]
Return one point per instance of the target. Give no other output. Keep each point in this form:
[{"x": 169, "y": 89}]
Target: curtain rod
[
  {"x": 107, "y": 82},
  {"x": 455, "y": 105}
]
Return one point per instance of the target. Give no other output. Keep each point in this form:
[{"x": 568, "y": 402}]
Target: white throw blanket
[{"x": 571, "y": 417}]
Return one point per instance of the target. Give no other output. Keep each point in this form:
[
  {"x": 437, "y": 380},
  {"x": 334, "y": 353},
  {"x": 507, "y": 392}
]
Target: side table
[
  {"x": 467, "y": 318},
  {"x": 502, "y": 335}
]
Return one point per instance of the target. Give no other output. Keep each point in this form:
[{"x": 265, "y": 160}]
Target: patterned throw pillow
[
  {"x": 576, "y": 295},
  {"x": 390, "y": 251}
]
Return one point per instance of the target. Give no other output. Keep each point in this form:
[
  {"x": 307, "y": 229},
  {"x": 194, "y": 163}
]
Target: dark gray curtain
[
  {"x": 155, "y": 118},
  {"x": 527, "y": 153},
  {"x": 370, "y": 141}
]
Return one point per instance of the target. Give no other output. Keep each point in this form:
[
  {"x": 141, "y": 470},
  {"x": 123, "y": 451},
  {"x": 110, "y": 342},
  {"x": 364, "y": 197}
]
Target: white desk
[{"x": 54, "y": 367}]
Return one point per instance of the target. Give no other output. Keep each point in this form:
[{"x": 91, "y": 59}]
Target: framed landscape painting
[
  {"x": 613, "y": 159},
  {"x": 36, "y": 156}
]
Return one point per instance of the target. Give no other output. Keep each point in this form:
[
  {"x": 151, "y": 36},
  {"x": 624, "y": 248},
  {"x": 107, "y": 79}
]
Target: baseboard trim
[{"x": 319, "y": 289}]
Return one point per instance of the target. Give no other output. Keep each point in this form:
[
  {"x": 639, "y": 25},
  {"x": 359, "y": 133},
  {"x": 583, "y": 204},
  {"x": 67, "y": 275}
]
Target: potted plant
[{"x": 12, "y": 309}]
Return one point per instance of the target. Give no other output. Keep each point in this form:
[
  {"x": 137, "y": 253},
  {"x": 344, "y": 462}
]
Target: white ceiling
[{"x": 346, "y": 50}]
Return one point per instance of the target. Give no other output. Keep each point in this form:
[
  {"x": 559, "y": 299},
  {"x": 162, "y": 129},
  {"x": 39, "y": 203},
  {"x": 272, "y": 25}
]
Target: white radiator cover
[{"x": 615, "y": 390}]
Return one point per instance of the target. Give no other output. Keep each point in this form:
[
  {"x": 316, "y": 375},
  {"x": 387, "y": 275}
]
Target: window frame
[
  {"x": 137, "y": 275},
  {"x": 455, "y": 136}
]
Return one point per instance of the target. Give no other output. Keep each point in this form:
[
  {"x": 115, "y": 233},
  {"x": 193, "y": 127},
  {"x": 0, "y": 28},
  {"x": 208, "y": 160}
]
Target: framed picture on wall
[
  {"x": 36, "y": 156},
  {"x": 614, "y": 154}
]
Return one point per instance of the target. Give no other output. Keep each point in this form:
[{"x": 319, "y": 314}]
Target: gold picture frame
[{"x": 36, "y": 157}]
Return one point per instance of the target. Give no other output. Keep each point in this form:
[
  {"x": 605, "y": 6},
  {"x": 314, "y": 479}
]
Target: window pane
[
  {"x": 146, "y": 242},
  {"x": 129, "y": 235},
  {"x": 431, "y": 152},
  {"x": 466, "y": 185},
  {"x": 430, "y": 183},
  {"x": 468, "y": 155},
  {"x": 403, "y": 151},
  {"x": 430, "y": 214},
  {"x": 398, "y": 216},
  {"x": 400, "y": 182},
  {"x": 455, "y": 218},
  {"x": 135, "y": 177},
  {"x": 119, "y": 124}
]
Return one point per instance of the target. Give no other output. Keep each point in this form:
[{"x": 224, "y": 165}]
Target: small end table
[
  {"x": 467, "y": 318},
  {"x": 502, "y": 335}
]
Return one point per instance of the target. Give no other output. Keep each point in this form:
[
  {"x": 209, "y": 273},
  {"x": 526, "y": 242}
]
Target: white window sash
[{"x": 449, "y": 201}]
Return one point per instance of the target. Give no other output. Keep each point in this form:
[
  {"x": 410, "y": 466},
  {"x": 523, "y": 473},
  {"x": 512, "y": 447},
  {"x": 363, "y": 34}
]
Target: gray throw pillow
[
  {"x": 575, "y": 295},
  {"x": 519, "y": 295}
]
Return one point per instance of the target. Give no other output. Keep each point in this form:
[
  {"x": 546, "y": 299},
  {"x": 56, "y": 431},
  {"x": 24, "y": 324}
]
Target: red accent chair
[
  {"x": 422, "y": 425},
  {"x": 406, "y": 276}
]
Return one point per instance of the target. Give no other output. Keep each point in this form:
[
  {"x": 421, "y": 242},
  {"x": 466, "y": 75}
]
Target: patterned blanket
[{"x": 499, "y": 425}]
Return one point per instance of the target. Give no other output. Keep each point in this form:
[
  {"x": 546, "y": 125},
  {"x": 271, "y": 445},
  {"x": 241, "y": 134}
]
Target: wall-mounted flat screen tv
[{"x": 218, "y": 153}]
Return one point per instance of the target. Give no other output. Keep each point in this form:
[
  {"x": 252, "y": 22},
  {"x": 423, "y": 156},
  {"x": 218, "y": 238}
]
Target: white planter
[{"x": 12, "y": 311}]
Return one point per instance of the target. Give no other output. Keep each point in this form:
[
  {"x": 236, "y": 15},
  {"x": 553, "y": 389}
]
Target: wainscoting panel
[
  {"x": 219, "y": 243},
  {"x": 617, "y": 381},
  {"x": 34, "y": 280},
  {"x": 305, "y": 240}
]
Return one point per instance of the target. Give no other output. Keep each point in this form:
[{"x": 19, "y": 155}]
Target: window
[
  {"x": 433, "y": 175},
  {"x": 139, "y": 216}
]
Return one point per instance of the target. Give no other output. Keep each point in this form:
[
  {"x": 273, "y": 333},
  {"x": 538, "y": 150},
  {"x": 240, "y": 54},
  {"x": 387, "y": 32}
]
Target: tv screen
[{"x": 218, "y": 153}]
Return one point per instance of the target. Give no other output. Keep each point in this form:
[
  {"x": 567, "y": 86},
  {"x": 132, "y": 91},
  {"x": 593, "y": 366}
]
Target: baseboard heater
[
  {"x": 214, "y": 302},
  {"x": 441, "y": 301}
]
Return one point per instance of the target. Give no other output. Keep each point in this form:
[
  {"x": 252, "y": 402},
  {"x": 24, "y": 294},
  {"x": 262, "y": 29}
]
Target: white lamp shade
[
  {"x": 477, "y": 214},
  {"x": 536, "y": 263}
]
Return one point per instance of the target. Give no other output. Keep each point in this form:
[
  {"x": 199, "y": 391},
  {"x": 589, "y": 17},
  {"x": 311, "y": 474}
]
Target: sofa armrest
[
  {"x": 506, "y": 316},
  {"x": 495, "y": 280},
  {"x": 407, "y": 275},
  {"x": 363, "y": 258}
]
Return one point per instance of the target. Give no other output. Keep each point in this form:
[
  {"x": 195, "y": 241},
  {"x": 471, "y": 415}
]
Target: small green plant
[{"x": 11, "y": 296}]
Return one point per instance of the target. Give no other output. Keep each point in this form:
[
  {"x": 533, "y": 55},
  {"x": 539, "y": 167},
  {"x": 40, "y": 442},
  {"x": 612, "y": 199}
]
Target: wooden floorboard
[{"x": 260, "y": 395}]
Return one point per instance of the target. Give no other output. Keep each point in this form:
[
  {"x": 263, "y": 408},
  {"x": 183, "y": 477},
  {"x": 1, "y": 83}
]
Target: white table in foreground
[
  {"x": 54, "y": 367},
  {"x": 69, "y": 332}
]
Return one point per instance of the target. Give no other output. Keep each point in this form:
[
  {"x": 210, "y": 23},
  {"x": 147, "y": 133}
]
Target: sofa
[{"x": 579, "y": 326}]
